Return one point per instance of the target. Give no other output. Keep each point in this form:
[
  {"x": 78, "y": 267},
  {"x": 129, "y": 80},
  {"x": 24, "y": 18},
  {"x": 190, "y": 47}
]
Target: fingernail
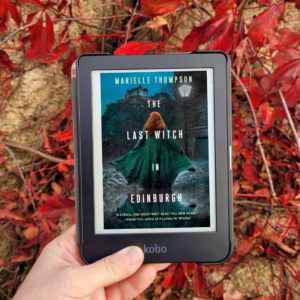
[{"x": 133, "y": 255}]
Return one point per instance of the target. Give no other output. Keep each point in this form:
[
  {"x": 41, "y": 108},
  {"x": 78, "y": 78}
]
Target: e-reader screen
[{"x": 153, "y": 151}]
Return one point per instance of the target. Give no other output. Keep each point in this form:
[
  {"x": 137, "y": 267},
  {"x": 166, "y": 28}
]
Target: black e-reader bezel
[{"x": 201, "y": 247}]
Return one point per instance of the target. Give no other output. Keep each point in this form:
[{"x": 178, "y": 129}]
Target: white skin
[{"x": 60, "y": 274}]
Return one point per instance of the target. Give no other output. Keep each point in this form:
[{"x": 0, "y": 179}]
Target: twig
[
  {"x": 48, "y": 181},
  {"x": 199, "y": 9},
  {"x": 8, "y": 237},
  {"x": 47, "y": 156},
  {"x": 288, "y": 279},
  {"x": 20, "y": 171},
  {"x": 24, "y": 167},
  {"x": 286, "y": 109},
  {"x": 258, "y": 141},
  {"x": 129, "y": 22},
  {"x": 282, "y": 101},
  {"x": 242, "y": 5}
]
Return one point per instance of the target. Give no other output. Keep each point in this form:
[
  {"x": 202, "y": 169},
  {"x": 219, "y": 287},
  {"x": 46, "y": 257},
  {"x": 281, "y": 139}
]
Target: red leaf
[
  {"x": 264, "y": 25},
  {"x": 250, "y": 173},
  {"x": 63, "y": 168},
  {"x": 224, "y": 6},
  {"x": 219, "y": 290},
  {"x": 30, "y": 232},
  {"x": 197, "y": 281},
  {"x": 87, "y": 40},
  {"x": 239, "y": 51},
  {"x": 169, "y": 276},
  {"x": 266, "y": 114},
  {"x": 21, "y": 258},
  {"x": 65, "y": 135},
  {"x": 289, "y": 37},
  {"x": 68, "y": 64},
  {"x": 159, "y": 7},
  {"x": 136, "y": 48},
  {"x": 45, "y": 226},
  {"x": 285, "y": 75},
  {"x": 202, "y": 33},
  {"x": 255, "y": 93},
  {"x": 6, "y": 214},
  {"x": 41, "y": 38},
  {"x": 224, "y": 40},
  {"x": 6, "y": 63},
  {"x": 6, "y": 6},
  {"x": 264, "y": 2},
  {"x": 57, "y": 53},
  {"x": 55, "y": 206},
  {"x": 293, "y": 94},
  {"x": 36, "y": 2},
  {"x": 5, "y": 86}
]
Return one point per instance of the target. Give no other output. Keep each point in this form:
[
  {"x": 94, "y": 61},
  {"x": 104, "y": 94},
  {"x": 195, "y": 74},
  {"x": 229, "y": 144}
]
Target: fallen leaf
[{"x": 250, "y": 173}]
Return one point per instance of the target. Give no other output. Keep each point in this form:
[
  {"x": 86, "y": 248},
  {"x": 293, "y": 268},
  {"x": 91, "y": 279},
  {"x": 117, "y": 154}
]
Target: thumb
[{"x": 111, "y": 269}]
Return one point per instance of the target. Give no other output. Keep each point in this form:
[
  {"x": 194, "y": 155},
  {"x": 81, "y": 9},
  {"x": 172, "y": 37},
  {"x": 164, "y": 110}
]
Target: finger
[
  {"x": 160, "y": 267},
  {"x": 133, "y": 286},
  {"x": 110, "y": 269}
]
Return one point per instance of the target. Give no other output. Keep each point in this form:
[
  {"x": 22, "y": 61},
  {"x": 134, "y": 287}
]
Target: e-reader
[{"x": 152, "y": 149}]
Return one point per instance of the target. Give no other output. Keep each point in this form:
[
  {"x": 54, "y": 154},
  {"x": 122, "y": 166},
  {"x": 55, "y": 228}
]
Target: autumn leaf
[
  {"x": 21, "y": 258},
  {"x": 6, "y": 7},
  {"x": 219, "y": 290},
  {"x": 197, "y": 281},
  {"x": 160, "y": 7},
  {"x": 250, "y": 173},
  {"x": 7, "y": 214},
  {"x": 287, "y": 78},
  {"x": 36, "y": 2},
  {"x": 224, "y": 41},
  {"x": 239, "y": 51},
  {"x": 5, "y": 86},
  {"x": 136, "y": 48},
  {"x": 265, "y": 114},
  {"x": 55, "y": 206},
  {"x": 65, "y": 135},
  {"x": 157, "y": 22},
  {"x": 57, "y": 53},
  {"x": 202, "y": 33},
  {"x": 41, "y": 38},
  {"x": 30, "y": 232},
  {"x": 265, "y": 25},
  {"x": 6, "y": 63}
]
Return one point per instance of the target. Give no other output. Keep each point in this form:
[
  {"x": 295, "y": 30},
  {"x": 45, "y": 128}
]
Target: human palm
[{"x": 60, "y": 274}]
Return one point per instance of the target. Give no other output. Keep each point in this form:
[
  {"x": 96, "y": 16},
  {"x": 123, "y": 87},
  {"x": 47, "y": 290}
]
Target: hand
[{"x": 61, "y": 274}]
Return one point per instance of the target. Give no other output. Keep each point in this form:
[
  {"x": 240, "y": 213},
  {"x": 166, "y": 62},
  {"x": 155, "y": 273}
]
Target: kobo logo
[{"x": 155, "y": 249}]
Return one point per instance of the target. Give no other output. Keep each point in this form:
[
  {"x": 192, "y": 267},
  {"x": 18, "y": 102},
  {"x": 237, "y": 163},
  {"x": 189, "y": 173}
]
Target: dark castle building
[{"x": 131, "y": 113}]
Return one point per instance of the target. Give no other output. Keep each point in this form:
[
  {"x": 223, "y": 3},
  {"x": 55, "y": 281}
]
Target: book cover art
[{"x": 155, "y": 150}]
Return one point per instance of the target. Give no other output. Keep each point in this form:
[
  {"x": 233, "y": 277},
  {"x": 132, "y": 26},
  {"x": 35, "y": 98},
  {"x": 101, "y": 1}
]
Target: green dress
[{"x": 137, "y": 165}]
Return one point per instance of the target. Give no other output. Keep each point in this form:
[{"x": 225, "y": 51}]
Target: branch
[
  {"x": 199, "y": 9},
  {"x": 258, "y": 141},
  {"x": 286, "y": 109},
  {"x": 20, "y": 172},
  {"x": 23, "y": 147}
]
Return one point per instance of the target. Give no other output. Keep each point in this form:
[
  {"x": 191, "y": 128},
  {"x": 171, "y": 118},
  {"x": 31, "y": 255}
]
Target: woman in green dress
[{"x": 154, "y": 162}]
